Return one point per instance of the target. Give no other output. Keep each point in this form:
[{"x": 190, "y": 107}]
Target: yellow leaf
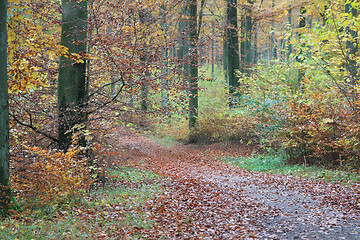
[{"x": 328, "y": 121}]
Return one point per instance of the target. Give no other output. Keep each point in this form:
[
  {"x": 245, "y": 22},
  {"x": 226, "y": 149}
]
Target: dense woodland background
[{"x": 280, "y": 75}]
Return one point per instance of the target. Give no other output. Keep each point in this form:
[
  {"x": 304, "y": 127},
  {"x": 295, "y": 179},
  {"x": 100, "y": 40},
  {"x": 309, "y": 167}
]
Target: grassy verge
[
  {"x": 117, "y": 210},
  {"x": 164, "y": 141},
  {"x": 273, "y": 163}
]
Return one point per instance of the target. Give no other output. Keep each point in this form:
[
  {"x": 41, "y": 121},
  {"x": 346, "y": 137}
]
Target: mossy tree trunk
[
  {"x": 4, "y": 114},
  {"x": 72, "y": 90}
]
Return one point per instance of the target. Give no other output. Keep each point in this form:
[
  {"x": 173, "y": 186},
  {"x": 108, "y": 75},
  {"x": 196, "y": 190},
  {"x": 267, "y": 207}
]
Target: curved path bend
[{"x": 204, "y": 198}]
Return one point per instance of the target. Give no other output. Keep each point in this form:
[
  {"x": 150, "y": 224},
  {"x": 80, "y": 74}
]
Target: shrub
[
  {"x": 215, "y": 125},
  {"x": 50, "y": 176}
]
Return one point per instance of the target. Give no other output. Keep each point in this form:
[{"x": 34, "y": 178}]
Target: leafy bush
[
  {"x": 50, "y": 176},
  {"x": 215, "y": 125},
  {"x": 324, "y": 130}
]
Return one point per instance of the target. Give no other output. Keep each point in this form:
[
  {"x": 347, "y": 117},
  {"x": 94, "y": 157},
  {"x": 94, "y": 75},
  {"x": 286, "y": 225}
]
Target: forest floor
[{"x": 204, "y": 198}]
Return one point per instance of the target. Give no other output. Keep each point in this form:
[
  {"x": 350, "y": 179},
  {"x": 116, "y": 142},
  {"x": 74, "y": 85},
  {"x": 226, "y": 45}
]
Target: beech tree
[
  {"x": 72, "y": 84},
  {"x": 246, "y": 39},
  {"x": 232, "y": 45},
  {"x": 4, "y": 113},
  {"x": 144, "y": 17},
  {"x": 193, "y": 82},
  {"x": 351, "y": 45},
  {"x": 183, "y": 39}
]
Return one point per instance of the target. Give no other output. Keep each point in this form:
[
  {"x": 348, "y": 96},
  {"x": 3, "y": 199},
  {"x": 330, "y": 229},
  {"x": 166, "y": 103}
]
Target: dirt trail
[{"x": 207, "y": 199}]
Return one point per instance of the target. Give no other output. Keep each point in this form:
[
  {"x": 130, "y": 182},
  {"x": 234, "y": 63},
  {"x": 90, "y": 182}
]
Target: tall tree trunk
[
  {"x": 302, "y": 24},
  {"x": 242, "y": 33},
  {"x": 225, "y": 54},
  {"x": 248, "y": 37},
  {"x": 352, "y": 47},
  {"x": 165, "y": 67},
  {"x": 144, "y": 16},
  {"x": 290, "y": 29},
  {"x": 213, "y": 53},
  {"x": 72, "y": 90},
  {"x": 193, "y": 81},
  {"x": 184, "y": 40},
  {"x": 232, "y": 44},
  {"x": 4, "y": 114},
  {"x": 273, "y": 47},
  {"x": 255, "y": 49}
]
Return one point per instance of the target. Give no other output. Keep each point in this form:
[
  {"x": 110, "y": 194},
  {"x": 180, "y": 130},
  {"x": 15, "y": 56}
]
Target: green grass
[
  {"x": 120, "y": 204},
  {"x": 275, "y": 163},
  {"x": 166, "y": 141}
]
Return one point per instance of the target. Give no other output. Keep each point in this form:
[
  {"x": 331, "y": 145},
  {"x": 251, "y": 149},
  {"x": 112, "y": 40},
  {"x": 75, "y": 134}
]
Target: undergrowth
[
  {"x": 117, "y": 209},
  {"x": 276, "y": 164}
]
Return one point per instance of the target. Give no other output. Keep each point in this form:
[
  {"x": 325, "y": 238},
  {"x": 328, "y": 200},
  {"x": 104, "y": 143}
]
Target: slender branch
[
  {"x": 110, "y": 100},
  {"x": 35, "y": 129},
  {"x": 119, "y": 91}
]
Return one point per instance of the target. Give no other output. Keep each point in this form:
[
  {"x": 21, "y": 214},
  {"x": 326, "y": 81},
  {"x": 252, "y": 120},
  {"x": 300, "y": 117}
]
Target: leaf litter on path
[{"x": 205, "y": 198}]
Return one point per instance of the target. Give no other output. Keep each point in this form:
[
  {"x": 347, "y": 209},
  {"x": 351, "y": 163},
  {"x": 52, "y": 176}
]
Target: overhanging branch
[{"x": 35, "y": 129}]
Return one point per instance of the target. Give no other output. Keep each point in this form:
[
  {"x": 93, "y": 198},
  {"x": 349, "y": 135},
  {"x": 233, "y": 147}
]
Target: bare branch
[{"x": 35, "y": 129}]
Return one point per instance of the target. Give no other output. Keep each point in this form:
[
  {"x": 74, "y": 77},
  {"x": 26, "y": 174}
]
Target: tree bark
[
  {"x": 290, "y": 48},
  {"x": 212, "y": 53},
  {"x": 144, "y": 16},
  {"x": 273, "y": 47},
  {"x": 165, "y": 65},
  {"x": 232, "y": 45},
  {"x": 72, "y": 90},
  {"x": 4, "y": 114},
  {"x": 302, "y": 24},
  {"x": 248, "y": 58},
  {"x": 352, "y": 48},
  {"x": 193, "y": 81},
  {"x": 184, "y": 41}
]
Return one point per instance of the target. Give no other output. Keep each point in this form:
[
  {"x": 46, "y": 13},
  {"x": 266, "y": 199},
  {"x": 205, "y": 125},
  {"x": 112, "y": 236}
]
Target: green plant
[
  {"x": 101, "y": 214},
  {"x": 276, "y": 163}
]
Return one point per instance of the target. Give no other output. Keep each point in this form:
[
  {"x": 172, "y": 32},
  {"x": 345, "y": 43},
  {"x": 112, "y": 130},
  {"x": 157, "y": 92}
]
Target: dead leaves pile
[{"x": 197, "y": 205}]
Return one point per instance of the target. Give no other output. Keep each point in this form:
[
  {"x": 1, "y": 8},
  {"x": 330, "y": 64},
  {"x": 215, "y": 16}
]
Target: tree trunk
[
  {"x": 255, "y": 48},
  {"x": 193, "y": 81},
  {"x": 242, "y": 33},
  {"x": 225, "y": 54},
  {"x": 4, "y": 114},
  {"x": 232, "y": 44},
  {"x": 144, "y": 16},
  {"x": 248, "y": 37},
  {"x": 72, "y": 91},
  {"x": 184, "y": 41},
  {"x": 351, "y": 46},
  {"x": 273, "y": 47},
  {"x": 213, "y": 53},
  {"x": 290, "y": 29},
  {"x": 165, "y": 66},
  {"x": 302, "y": 24}
]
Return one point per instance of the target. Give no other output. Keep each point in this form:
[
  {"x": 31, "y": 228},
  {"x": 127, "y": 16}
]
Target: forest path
[{"x": 206, "y": 199}]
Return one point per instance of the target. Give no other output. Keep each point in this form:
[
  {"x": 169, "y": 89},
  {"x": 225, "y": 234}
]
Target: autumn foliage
[
  {"x": 46, "y": 176},
  {"x": 302, "y": 100}
]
